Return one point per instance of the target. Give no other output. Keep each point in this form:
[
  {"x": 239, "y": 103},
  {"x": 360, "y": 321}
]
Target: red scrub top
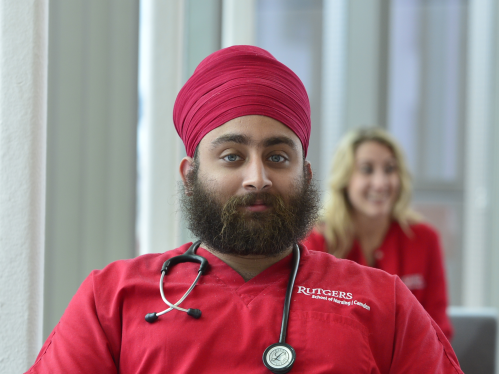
[
  {"x": 416, "y": 257},
  {"x": 344, "y": 318}
]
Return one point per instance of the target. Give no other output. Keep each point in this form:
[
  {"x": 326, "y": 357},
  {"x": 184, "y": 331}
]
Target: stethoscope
[{"x": 278, "y": 357}]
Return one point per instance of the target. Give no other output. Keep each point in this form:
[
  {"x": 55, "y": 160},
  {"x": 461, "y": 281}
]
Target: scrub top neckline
[
  {"x": 277, "y": 273},
  {"x": 357, "y": 255}
]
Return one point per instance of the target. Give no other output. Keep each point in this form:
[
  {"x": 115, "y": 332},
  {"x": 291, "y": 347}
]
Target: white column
[
  {"x": 334, "y": 49},
  {"x": 238, "y": 22},
  {"x": 366, "y": 63},
  {"x": 23, "y": 96},
  {"x": 477, "y": 166},
  {"x": 494, "y": 186},
  {"x": 161, "y": 58}
]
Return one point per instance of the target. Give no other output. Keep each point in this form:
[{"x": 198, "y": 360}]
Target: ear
[
  {"x": 186, "y": 166},
  {"x": 310, "y": 174}
]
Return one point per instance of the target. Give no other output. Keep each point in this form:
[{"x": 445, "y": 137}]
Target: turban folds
[{"x": 239, "y": 81}]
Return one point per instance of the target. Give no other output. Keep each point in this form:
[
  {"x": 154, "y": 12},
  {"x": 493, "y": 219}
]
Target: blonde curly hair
[{"x": 337, "y": 214}]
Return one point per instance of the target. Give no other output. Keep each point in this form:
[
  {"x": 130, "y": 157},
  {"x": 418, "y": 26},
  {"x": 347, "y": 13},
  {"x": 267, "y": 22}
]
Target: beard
[{"x": 228, "y": 228}]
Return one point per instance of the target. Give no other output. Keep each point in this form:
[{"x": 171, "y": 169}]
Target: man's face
[{"x": 249, "y": 190}]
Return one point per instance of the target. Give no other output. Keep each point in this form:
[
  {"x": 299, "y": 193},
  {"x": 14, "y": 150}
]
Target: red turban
[{"x": 239, "y": 81}]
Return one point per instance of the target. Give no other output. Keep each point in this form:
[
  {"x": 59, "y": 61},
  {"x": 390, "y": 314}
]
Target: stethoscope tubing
[
  {"x": 176, "y": 305},
  {"x": 289, "y": 291}
]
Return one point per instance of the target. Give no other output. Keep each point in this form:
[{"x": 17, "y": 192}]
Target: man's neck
[{"x": 248, "y": 266}]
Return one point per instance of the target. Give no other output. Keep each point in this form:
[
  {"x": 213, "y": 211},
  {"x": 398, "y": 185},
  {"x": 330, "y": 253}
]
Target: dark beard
[{"x": 228, "y": 229}]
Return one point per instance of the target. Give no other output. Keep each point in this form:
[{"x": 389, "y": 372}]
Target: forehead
[
  {"x": 372, "y": 149},
  {"x": 252, "y": 130}
]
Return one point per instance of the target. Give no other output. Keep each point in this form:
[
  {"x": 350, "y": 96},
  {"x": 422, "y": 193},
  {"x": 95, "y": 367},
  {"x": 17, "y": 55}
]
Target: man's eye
[
  {"x": 231, "y": 158},
  {"x": 276, "y": 158}
]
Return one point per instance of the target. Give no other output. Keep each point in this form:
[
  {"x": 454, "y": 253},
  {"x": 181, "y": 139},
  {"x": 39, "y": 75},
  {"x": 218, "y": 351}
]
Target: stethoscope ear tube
[
  {"x": 151, "y": 317},
  {"x": 186, "y": 258},
  {"x": 189, "y": 256},
  {"x": 196, "y": 313}
]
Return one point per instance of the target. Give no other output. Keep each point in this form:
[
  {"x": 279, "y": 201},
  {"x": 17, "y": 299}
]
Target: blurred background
[{"x": 425, "y": 70}]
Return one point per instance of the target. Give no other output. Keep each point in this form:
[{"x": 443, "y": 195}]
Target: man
[{"x": 248, "y": 195}]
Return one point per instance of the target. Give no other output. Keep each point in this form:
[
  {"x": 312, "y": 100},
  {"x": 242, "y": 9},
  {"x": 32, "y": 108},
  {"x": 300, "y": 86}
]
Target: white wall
[
  {"x": 23, "y": 94},
  {"x": 91, "y": 137}
]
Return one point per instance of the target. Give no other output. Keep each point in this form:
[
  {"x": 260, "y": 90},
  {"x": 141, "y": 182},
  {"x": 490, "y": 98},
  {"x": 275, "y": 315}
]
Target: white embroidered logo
[
  {"x": 338, "y": 297},
  {"x": 414, "y": 281}
]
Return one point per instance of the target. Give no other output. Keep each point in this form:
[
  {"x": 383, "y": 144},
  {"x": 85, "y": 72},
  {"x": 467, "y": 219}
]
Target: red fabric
[
  {"x": 416, "y": 259},
  {"x": 103, "y": 329},
  {"x": 239, "y": 81}
]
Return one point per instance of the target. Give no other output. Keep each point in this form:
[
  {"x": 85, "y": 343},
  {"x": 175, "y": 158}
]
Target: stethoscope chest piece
[{"x": 279, "y": 357}]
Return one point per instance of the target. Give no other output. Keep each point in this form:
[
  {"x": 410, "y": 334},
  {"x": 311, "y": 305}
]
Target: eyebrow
[
  {"x": 230, "y": 138},
  {"x": 276, "y": 140},
  {"x": 245, "y": 140}
]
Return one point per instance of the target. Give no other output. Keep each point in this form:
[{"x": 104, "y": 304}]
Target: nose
[
  {"x": 380, "y": 179},
  {"x": 256, "y": 176}
]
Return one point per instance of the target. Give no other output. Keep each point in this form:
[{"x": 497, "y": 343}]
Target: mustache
[
  {"x": 230, "y": 209},
  {"x": 248, "y": 199}
]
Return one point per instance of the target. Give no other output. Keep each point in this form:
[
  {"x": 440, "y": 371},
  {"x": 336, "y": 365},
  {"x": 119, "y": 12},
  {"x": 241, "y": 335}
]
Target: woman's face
[{"x": 374, "y": 186}]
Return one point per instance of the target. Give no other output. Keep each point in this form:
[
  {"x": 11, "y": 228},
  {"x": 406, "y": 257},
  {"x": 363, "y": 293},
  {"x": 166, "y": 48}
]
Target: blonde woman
[{"x": 368, "y": 219}]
